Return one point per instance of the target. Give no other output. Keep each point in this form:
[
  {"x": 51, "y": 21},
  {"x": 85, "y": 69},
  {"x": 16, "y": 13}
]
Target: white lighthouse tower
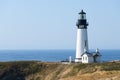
[{"x": 82, "y": 38}]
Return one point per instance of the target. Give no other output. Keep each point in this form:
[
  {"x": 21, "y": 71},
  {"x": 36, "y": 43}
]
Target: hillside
[{"x": 34, "y": 70}]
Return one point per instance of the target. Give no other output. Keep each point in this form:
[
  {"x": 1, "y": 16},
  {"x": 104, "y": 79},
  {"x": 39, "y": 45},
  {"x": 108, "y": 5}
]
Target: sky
[{"x": 51, "y": 24}]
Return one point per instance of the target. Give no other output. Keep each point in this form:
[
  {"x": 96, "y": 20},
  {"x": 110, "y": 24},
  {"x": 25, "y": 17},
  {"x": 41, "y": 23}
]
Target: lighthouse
[{"x": 82, "y": 37}]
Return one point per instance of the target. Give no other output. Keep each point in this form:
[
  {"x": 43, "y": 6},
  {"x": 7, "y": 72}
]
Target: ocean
[{"x": 50, "y": 55}]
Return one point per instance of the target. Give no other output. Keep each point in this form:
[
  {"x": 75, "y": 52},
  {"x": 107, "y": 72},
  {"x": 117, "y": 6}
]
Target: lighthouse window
[
  {"x": 83, "y": 16},
  {"x": 85, "y": 43}
]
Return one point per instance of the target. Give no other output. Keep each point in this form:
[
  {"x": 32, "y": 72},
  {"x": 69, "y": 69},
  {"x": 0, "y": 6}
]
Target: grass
[
  {"x": 110, "y": 66},
  {"x": 20, "y": 69}
]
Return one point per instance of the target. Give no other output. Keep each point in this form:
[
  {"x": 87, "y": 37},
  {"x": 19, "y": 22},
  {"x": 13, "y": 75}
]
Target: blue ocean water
[{"x": 50, "y": 55}]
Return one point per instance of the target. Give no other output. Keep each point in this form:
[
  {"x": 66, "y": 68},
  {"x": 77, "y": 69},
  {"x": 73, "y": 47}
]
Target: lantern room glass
[{"x": 82, "y": 16}]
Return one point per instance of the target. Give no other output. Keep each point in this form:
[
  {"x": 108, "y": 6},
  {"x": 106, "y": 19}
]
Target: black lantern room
[{"x": 82, "y": 22}]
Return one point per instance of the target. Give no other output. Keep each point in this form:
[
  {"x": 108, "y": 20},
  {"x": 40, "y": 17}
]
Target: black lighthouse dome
[
  {"x": 82, "y": 12},
  {"x": 82, "y": 22}
]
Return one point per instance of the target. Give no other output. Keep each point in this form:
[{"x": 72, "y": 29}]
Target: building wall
[
  {"x": 81, "y": 39},
  {"x": 90, "y": 60},
  {"x": 84, "y": 58},
  {"x": 98, "y": 59}
]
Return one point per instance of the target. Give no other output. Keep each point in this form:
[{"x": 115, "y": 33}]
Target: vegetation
[
  {"x": 33, "y": 70},
  {"x": 110, "y": 66},
  {"x": 18, "y": 70}
]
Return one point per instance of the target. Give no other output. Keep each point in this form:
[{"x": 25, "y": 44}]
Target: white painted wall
[
  {"x": 80, "y": 44},
  {"x": 86, "y": 59},
  {"x": 70, "y": 59}
]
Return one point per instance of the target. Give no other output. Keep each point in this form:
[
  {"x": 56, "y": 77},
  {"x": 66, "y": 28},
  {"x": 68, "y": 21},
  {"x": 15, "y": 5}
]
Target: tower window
[
  {"x": 82, "y": 17},
  {"x": 85, "y": 43}
]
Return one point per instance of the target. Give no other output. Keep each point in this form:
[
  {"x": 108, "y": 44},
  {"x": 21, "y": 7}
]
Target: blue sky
[{"x": 51, "y": 24}]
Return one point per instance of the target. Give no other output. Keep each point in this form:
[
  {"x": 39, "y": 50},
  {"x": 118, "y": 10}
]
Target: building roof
[
  {"x": 92, "y": 54},
  {"x": 96, "y": 54},
  {"x": 87, "y": 53}
]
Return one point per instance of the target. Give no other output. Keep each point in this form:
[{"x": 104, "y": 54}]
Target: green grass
[
  {"x": 110, "y": 66},
  {"x": 20, "y": 69}
]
